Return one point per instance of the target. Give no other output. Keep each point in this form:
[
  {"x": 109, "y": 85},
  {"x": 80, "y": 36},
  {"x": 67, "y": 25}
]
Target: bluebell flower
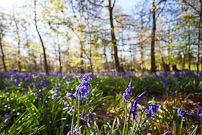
[
  {"x": 35, "y": 83},
  {"x": 83, "y": 89},
  {"x": 69, "y": 95},
  {"x": 154, "y": 108},
  {"x": 74, "y": 132},
  {"x": 71, "y": 110},
  {"x": 164, "y": 85},
  {"x": 118, "y": 109},
  {"x": 82, "y": 117},
  {"x": 134, "y": 105},
  {"x": 57, "y": 91},
  {"x": 173, "y": 94},
  {"x": 148, "y": 114},
  {"x": 43, "y": 84},
  {"x": 90, "y": 116},
  {"x": 13, "y": 71},
  {"x": 168, "y": 133},
  {"x": 63, "y": 103},
  {"x": 199, "y": 112},
  {"x": 188, "y": 112},
  {"x": 31, "y": 85},
  {"x": 182, "y": 113},
  {"x": 151, "y": 109},
  {"x": 84, "y": 103},
  {"x": 15, "y": 82},
  {"x": 128, "y": 93},
  {"x": 134, "y": 109}
]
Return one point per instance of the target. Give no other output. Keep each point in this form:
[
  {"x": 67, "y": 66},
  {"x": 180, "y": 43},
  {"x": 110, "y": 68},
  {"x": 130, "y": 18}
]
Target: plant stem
[
  {"x": 201, "y": 126},
  {"x": 152, "y": 127},
  {"x": 181, "y": 124},
  {"x": 73, "y": 117},
  {"x": 123, "y": 132},
  {"x": 78, "y": 115}
]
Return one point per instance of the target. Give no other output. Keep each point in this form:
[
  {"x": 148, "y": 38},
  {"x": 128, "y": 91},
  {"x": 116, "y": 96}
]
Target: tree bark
[
  {"x": 44, "y": 49},
  {"x": 18, "y": 34},
  {"x": 200, "y": 22},
  {"x": 153, "y": 65},
  {"x": 141, "y": 46},
  {"x": 118, "y": 69},
  {"x": 3, "y": 55},
  {"x": 59, "y": 55}
]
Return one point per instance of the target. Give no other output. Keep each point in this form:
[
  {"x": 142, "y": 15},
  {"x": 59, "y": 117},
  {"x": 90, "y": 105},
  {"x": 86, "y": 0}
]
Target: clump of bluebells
[{"x": 82, "y": 90}]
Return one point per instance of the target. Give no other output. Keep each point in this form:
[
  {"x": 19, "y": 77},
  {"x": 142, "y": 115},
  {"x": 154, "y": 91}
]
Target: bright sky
[{"x": 9, "y": 3}]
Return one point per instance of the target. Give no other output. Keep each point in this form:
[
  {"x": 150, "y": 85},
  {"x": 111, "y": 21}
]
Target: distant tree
[
  {"x": 44, "y": 49},
  {"x": 3, "y": 29}
]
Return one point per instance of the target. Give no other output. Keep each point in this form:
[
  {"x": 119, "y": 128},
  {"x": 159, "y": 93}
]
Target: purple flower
[
  {"x": 57, "y": 85},
  {"x": 173, "y": 93},
  {"x": 134, "y": 109},
  {"x": 82, "y": 117},
  {"x": 168, "y": 133},
  {"x": 43, "y": 84},
  {"x": 31, "y": 85},
  {"x": 134, "y": 105},
  {"x": 69, "y": 95},
  {"x": 188, "y": 112},
  {"x": 84, "y": 103},
  {"x": 182, "y": 113},
  {"x": 71, "y": 110},
  {"x": 128, "y": 93},
  {"x": 199, "y": 112},
  {"x": 57, "y": 91},
  {"x": 118, "y": 109},
  {"x": 15, "y": 83},
  {"x": 74, "y": 132},
  {"x": 83, "y": 89},
  {"x": 13, "y": 71},
  {"x": 151, "y": 109},
  {"x": 164, "y": 85},
  {"x": 63, "y": 103}
]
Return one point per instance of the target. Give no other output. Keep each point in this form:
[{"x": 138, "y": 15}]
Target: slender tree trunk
[
  {"x": 200, "y": 28},
  {"x": 3, "y": 55},
  {"x": 106, "y": 59},
  {"x": 118, "y": 69},
  {"x": 81, "y": 57},
  {"x": 189, "y": 51},
  {"x": 44, "y": 49},
  {"x": 91, "y": 64},
  {"x": 153, "y": 65},
  {"x": 141, "y": 46},
  {"x": 59, "y": 55},
  {"x": 18, "y": 34},
  {"x": 198, "y": 46}
]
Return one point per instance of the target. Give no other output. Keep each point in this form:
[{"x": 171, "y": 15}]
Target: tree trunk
[
  {"x": 141, "y": 46},
  {"x": 59, "y": 55},
  {"x": 153, "y": 65},
  {"x": 18, "y": 34},
  {"x": 189, "y": 50},
  {"x": 3, "y": 56},
  {"x": 44, "y": 49},
  {"x": 118, "y": 69},
  {"x": 81, "y": 57},
  {"x": 200, "y": 22},
  {"x": 106, "y": 59}
]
